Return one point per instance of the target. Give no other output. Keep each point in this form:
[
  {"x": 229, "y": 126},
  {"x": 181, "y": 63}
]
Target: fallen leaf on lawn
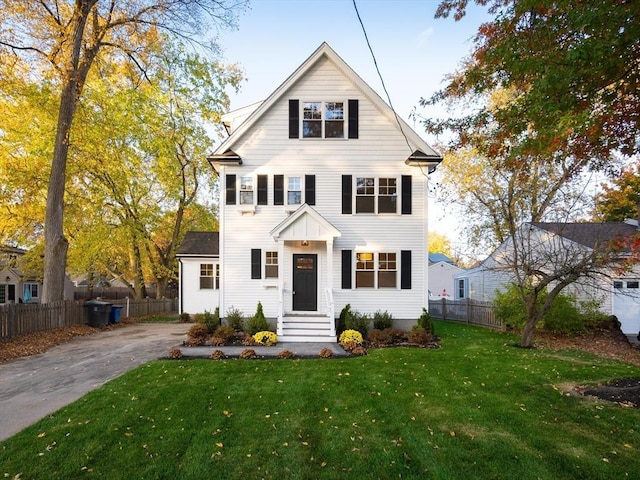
[
  {"x": 219, "y": 444},
  {"x": 43, "y": 434},
  {"x": 452, "y": 433}
]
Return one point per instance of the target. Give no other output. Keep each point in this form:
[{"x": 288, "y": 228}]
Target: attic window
[{"x": 323, "y": 120}]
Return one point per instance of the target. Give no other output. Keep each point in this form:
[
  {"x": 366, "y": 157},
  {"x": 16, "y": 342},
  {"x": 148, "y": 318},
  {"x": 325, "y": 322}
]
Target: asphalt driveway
[{"x": 33, "y": 387}]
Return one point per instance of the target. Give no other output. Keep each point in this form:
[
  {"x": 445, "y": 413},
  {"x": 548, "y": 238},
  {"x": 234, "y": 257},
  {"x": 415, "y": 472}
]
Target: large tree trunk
[
  {"x": 55, "y": 243},
  {"x": 526, "y": 339}
]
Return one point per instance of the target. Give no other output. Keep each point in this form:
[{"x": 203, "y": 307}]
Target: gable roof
[
  {"x": 421, "y": 152},
  {"x": 439, "y": 257},
  {"x": 199, "y": 244},
  {"x": 305, "y": 224},
  {"x": 589, "y": 234}
]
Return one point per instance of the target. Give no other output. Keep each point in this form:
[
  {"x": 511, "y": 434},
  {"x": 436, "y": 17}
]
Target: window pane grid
[
  {"x": 246, "y": 190},
  {"x": 294, "y": 191},
  {"x": 206, "y": 276},
  {"x": 271, "y": 265}
]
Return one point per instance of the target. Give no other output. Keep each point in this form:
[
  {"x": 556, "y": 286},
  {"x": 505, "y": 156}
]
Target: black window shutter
[
  {"x": 347, "y": 201},
  {"x": 231, "y": 190},
  {"x": 256, "y": 263},
  {"x": 310, "y": 189},
  {"x": 294, "y": 119},
  {"x": 353, "y": 118},
  {"x": 406, "y": 194},
  {"x": 278, "y": 189},
  {"x": 262, "y": 189},
  {"x": 346, "y": 269},
  {"x": 405, "y": 269}
]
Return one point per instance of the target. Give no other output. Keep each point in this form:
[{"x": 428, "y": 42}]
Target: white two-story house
[{"x": 323, "y": 203}]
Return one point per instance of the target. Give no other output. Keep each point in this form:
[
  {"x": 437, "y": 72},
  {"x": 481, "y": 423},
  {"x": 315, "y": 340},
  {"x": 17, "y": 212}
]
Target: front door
[{"x": 305, "y": 282}]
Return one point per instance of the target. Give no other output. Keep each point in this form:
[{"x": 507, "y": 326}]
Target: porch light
[
  {"x": 304, "y": 243},
  {"x": 8, "y": 279}
]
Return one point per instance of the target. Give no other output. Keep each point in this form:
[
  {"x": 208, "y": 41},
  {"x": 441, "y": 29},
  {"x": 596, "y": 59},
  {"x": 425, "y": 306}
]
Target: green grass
[{"x": 478, "y": 408}]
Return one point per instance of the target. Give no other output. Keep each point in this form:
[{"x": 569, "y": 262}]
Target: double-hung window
[
  {"x": 365, "y": 270},
  {"x": 387, "y": 270},
  {"x": 365, "y": 195},
  {"x": 387, "y": 195},
  {"x": 294, "y": 191},
  {"x": 323, "y": 120},
  {"x": 246, "y": 190},
  {"x": 206, "y": 276},
  {"x": 271, "y": 265},
  {"x": 376, "y": 195},
  {"x": 376, "y": 270}
]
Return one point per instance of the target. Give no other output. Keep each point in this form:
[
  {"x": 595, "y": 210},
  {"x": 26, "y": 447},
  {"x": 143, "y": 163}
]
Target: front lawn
[{"x": 475, "y": 408}]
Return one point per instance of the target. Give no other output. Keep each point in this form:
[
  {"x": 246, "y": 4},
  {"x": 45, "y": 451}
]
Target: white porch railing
[{"x": 330, "y": 309}]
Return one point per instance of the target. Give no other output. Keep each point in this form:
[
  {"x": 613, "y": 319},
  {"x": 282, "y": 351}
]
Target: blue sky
[{"x": 414, "y": 51}]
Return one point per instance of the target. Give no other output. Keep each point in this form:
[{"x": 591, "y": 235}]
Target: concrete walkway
[{"x": 36, "y": 386}]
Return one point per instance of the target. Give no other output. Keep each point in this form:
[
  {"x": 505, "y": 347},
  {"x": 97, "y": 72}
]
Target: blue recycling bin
[{"x": 114, "y": 315}]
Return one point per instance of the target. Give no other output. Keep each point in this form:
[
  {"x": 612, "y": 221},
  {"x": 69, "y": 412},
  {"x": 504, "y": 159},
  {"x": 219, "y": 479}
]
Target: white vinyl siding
[{"x": 379, "y": 152}]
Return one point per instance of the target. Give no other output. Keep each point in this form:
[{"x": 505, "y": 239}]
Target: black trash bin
[
  {"x": 114, "y": 316},
  {"x": 98, "y": 313}
]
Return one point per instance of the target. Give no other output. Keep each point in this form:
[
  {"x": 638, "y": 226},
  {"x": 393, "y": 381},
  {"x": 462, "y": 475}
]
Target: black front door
[{"x": 305, "y": 282}]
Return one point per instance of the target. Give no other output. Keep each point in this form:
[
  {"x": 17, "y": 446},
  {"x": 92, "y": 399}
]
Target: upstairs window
[
  {"x": 323, "y": 120},
  {"x": 246, "y": 190},
  {"x": 376, "y": 195},
  {"x": 294, "y": 191},
  {"x": 365, "y": 195}
]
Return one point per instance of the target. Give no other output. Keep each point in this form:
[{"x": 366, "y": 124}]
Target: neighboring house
[
  {"x": 441, "y": 279},
  {"x": 199, "y": 272},
  {"x": 439, "y": 257},
  {"x": 323, "y": 203},
  {"x": 14, "y": 286},
  {"x": 617, "y": 293}
]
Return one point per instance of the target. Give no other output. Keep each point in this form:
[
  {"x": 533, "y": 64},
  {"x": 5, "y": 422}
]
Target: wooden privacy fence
[
  {"x": 467, "y": 311},
  {"x": 18, "y": 319}
]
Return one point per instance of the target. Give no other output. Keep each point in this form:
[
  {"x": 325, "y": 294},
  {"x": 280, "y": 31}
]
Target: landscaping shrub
[
  {"x": 185, "y": 317},
  {"x": 175, "y": 353},
  {"x": 345, "y": 316},
  {"x": 248, "y": 353},
  {"x": 286, "y": 354},
  {"x": 257, "y": 323},
  {"x": 380, "y": 338},
  {"x": 248, "y": 340},
  {"x": 218, "y": 355},
  {"x": 235, "y": 319},
  {"x": 326, "y": 352},
  {"x": 418, "y": 336},
  {"x": 223, "y": 334},
  {"x": 265, "y": 338},
  {"x": 426, "y": 322},
  {"x": 198, "y": 334},
  {"x": 211, "y": 320},
  {"x": 350, "y": 336},
  {"x": 563, "y": 317},
  {"x": 360, "y": 322},
  {"x": 359, "y": 351},
  {"x": 382, "y": 320}
]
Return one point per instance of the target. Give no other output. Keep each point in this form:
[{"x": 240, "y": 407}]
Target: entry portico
[{"x": 305, "y": 288}]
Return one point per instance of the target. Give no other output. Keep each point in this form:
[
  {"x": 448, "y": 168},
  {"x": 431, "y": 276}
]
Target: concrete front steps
[{"x": 306, "y": 328}]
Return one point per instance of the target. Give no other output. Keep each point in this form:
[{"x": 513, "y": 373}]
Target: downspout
[{"x": 180, "y": 290}]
